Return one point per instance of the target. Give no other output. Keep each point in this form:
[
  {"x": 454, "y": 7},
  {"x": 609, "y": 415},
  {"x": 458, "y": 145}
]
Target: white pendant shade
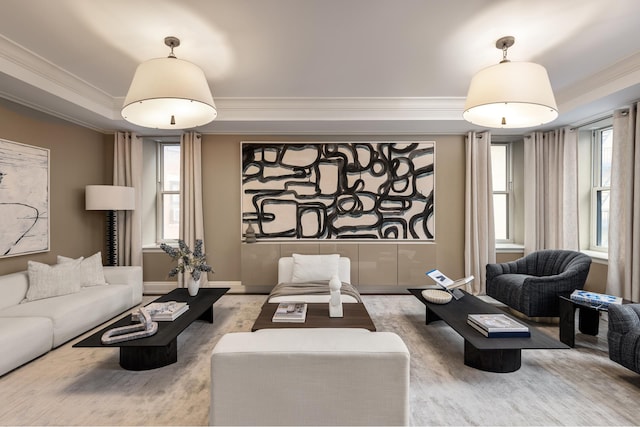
[
  {"x": 169, "y": 93},
  {"x": 510, "y": 95}
]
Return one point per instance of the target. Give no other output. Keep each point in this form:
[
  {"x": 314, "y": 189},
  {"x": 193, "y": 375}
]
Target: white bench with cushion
[{"x": 310, "y": 377}]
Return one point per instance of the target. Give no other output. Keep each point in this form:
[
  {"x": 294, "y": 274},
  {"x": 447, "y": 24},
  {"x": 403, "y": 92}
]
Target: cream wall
[
  {"x": 221, "y": 188},
  {"x": 77, "y": 158},
  {"x": 80, "y": 157}
]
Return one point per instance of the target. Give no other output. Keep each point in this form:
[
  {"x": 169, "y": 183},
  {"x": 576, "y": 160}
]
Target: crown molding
[
  {"x": 32, "y": 69},
  {"x": 615, "y": 78}
]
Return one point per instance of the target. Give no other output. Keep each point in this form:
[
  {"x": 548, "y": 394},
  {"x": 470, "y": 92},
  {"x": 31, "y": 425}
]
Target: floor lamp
[{"x": 110, "y": 198}]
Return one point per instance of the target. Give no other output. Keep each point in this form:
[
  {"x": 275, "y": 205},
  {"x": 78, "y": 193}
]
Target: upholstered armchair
[
  {"x": 624, "y": 335},
  {"x": 533, "y": 283}
]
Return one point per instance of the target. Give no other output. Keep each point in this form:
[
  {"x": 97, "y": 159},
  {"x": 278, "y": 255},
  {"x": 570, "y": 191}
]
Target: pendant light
[
  {"x": 510, "y": 94},
  {"x": 169, "y": 93}
]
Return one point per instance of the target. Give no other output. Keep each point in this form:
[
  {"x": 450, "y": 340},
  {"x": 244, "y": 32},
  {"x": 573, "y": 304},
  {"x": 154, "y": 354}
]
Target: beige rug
[{"x": 85, "y": 386}]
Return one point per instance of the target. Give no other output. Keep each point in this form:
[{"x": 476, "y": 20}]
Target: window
[
  {"x": 602, "y": 142},
  {"x": 168, "y": 200},
  {"x": 502, "y": 188}
]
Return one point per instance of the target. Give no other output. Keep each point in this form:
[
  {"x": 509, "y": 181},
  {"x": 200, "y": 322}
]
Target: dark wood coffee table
[
  {"x": 355, "y": 316},
  {"x": 480, "y": 352},
  {"x": 160, "y": 349}
]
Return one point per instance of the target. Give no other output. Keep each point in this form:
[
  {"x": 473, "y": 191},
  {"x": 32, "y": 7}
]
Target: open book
[{"x": 448, "y": 284}]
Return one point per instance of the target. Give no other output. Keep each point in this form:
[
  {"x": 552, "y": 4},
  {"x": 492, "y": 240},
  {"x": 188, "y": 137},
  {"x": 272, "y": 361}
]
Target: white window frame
[
  {"x": 161, "y": 192},
  {"x": 596, "y": 187},
  {"x": 508, "y": 192}
]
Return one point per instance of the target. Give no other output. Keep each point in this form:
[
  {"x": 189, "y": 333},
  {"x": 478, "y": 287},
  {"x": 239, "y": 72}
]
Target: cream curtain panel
[
  {"x": 191, "y": 212},
  {"x": 551, "y": 190},
  {"x": 127, "y": 171},
  {"x": 479, "y": 234},
  {"x": 624, "y": 210}
]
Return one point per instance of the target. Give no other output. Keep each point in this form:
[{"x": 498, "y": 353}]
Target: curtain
[
  {"x": 623, "y": 277},
  {"x": 551, "y": 190},
  {"x": 191, "y": 213},
  {"x": 479, "y": 234},
  {"x": 127, "y": 171}
]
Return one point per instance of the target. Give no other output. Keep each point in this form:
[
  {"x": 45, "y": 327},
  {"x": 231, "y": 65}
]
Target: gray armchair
[
  {"x": 624, "y": 335},
  {"x": 533, "y": 283}
]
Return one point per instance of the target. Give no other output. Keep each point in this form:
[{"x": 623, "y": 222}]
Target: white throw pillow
[
  {"x": 47, "y": 281},
  {"x": 311, "y": 268},
  {"x": 91, "y": 273}
]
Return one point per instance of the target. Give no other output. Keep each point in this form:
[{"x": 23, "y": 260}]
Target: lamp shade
[
  {"x": 169, "y": 93},
  {"x": 109, "y": 198},
  {"x": 510, "y": 95}
]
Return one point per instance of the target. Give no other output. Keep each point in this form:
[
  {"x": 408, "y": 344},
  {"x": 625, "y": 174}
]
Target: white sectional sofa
[
  {"x": 30, "y": 329},
  {"x": 310, "y": 377}
]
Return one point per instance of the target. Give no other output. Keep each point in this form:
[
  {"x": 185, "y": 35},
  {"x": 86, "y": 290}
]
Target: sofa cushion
[
  {"x": 74, "y": 314},
  {"x": 23, "y": 339},
  {"x": 309, "y": 268},
  {"x": 46, "y": 281},
  {"x": 90, "y": 270},
  {"x": 13, "y": 288}
]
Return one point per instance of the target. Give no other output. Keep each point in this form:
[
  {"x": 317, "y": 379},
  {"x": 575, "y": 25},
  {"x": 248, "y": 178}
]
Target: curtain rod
[{"x": 592, "y": 122}]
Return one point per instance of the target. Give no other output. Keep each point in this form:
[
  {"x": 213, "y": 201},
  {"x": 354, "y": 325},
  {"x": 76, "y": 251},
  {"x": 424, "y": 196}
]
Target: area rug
[{"x": 86, "y": 386}]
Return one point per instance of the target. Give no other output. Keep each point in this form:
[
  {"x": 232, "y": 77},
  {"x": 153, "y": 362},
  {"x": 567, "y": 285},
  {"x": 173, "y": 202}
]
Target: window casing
[
  {"x": 602, "y": 144},
  {"x": 501, "y": 175},
  {"x": 168, "y": 193}
]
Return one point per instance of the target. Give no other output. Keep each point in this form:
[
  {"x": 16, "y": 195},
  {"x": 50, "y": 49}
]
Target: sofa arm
[
  {"x": 131, "y": 276},
  {"x": 310, "y": 377},
  {"x": 624, "y": 318}
]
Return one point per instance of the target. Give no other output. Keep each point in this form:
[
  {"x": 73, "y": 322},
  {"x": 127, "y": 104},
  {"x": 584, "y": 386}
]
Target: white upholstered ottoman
[{"x": 310, "y": 377}]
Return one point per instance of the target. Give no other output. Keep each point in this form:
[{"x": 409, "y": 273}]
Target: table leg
[
  {"x": 588, "y": 320},
  {"x": 144, "y": 358},
  {"x": 430, "y": 316},
  {"x": 496, "y": 360},
  {"x": 567, "y": 322},
  {"x": 207, "y": 315}
]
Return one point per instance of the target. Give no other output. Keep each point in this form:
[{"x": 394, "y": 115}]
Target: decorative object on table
[
  {"x": 162, "y": 311},
  {"x": 190, "y": 263},
  {"x": 250, "y": 234},
  {"x": 510, "y": 94},
  {"x": 595, "y": 299},
  {"x": 294, "y": 312},
  {"x": 169, "y": 93},
  {"x": 335, "y": 300},
  {"x": 24, "y": 207},
  {"x": 448, "y": 284},
  {"x": 498, "y": 326},
  {"x": 145, "y": 328},
  {"x": 436, "y": 296},
  {"x": 110, "y": 198}
]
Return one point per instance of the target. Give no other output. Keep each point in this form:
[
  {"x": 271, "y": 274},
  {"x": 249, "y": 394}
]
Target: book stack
[
  {"x": 595, "y": 299},
  {"x": 163, "y": 311},
  {"x": 294, "y": 312},
  {"x": 498, "y": 326}
]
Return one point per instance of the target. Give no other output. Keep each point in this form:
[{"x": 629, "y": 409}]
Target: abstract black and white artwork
[
  {"x": 339, "y": 190},
  {"x": 24, "y": 199}
]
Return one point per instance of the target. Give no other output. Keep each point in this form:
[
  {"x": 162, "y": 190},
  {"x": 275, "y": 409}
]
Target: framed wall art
[
  {"x": 24, "y": 199},
  {"x": 339, "y": 190}
]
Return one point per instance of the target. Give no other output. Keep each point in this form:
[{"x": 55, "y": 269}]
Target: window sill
[
  {"x": 509, "y": 248},
  {"x": 597, "y": 256}
]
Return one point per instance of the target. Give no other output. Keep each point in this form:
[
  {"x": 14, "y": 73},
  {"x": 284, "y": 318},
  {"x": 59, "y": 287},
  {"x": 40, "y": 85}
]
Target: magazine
[
  {"x": 497, "y": 323},
  {"x": 594, "y": 298},
  {"x": 294, "y": 312},
  {"x": 523, "y": 334},
  {"x": 164, "y": 311},
  {"x": 445, "y": 282}
]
